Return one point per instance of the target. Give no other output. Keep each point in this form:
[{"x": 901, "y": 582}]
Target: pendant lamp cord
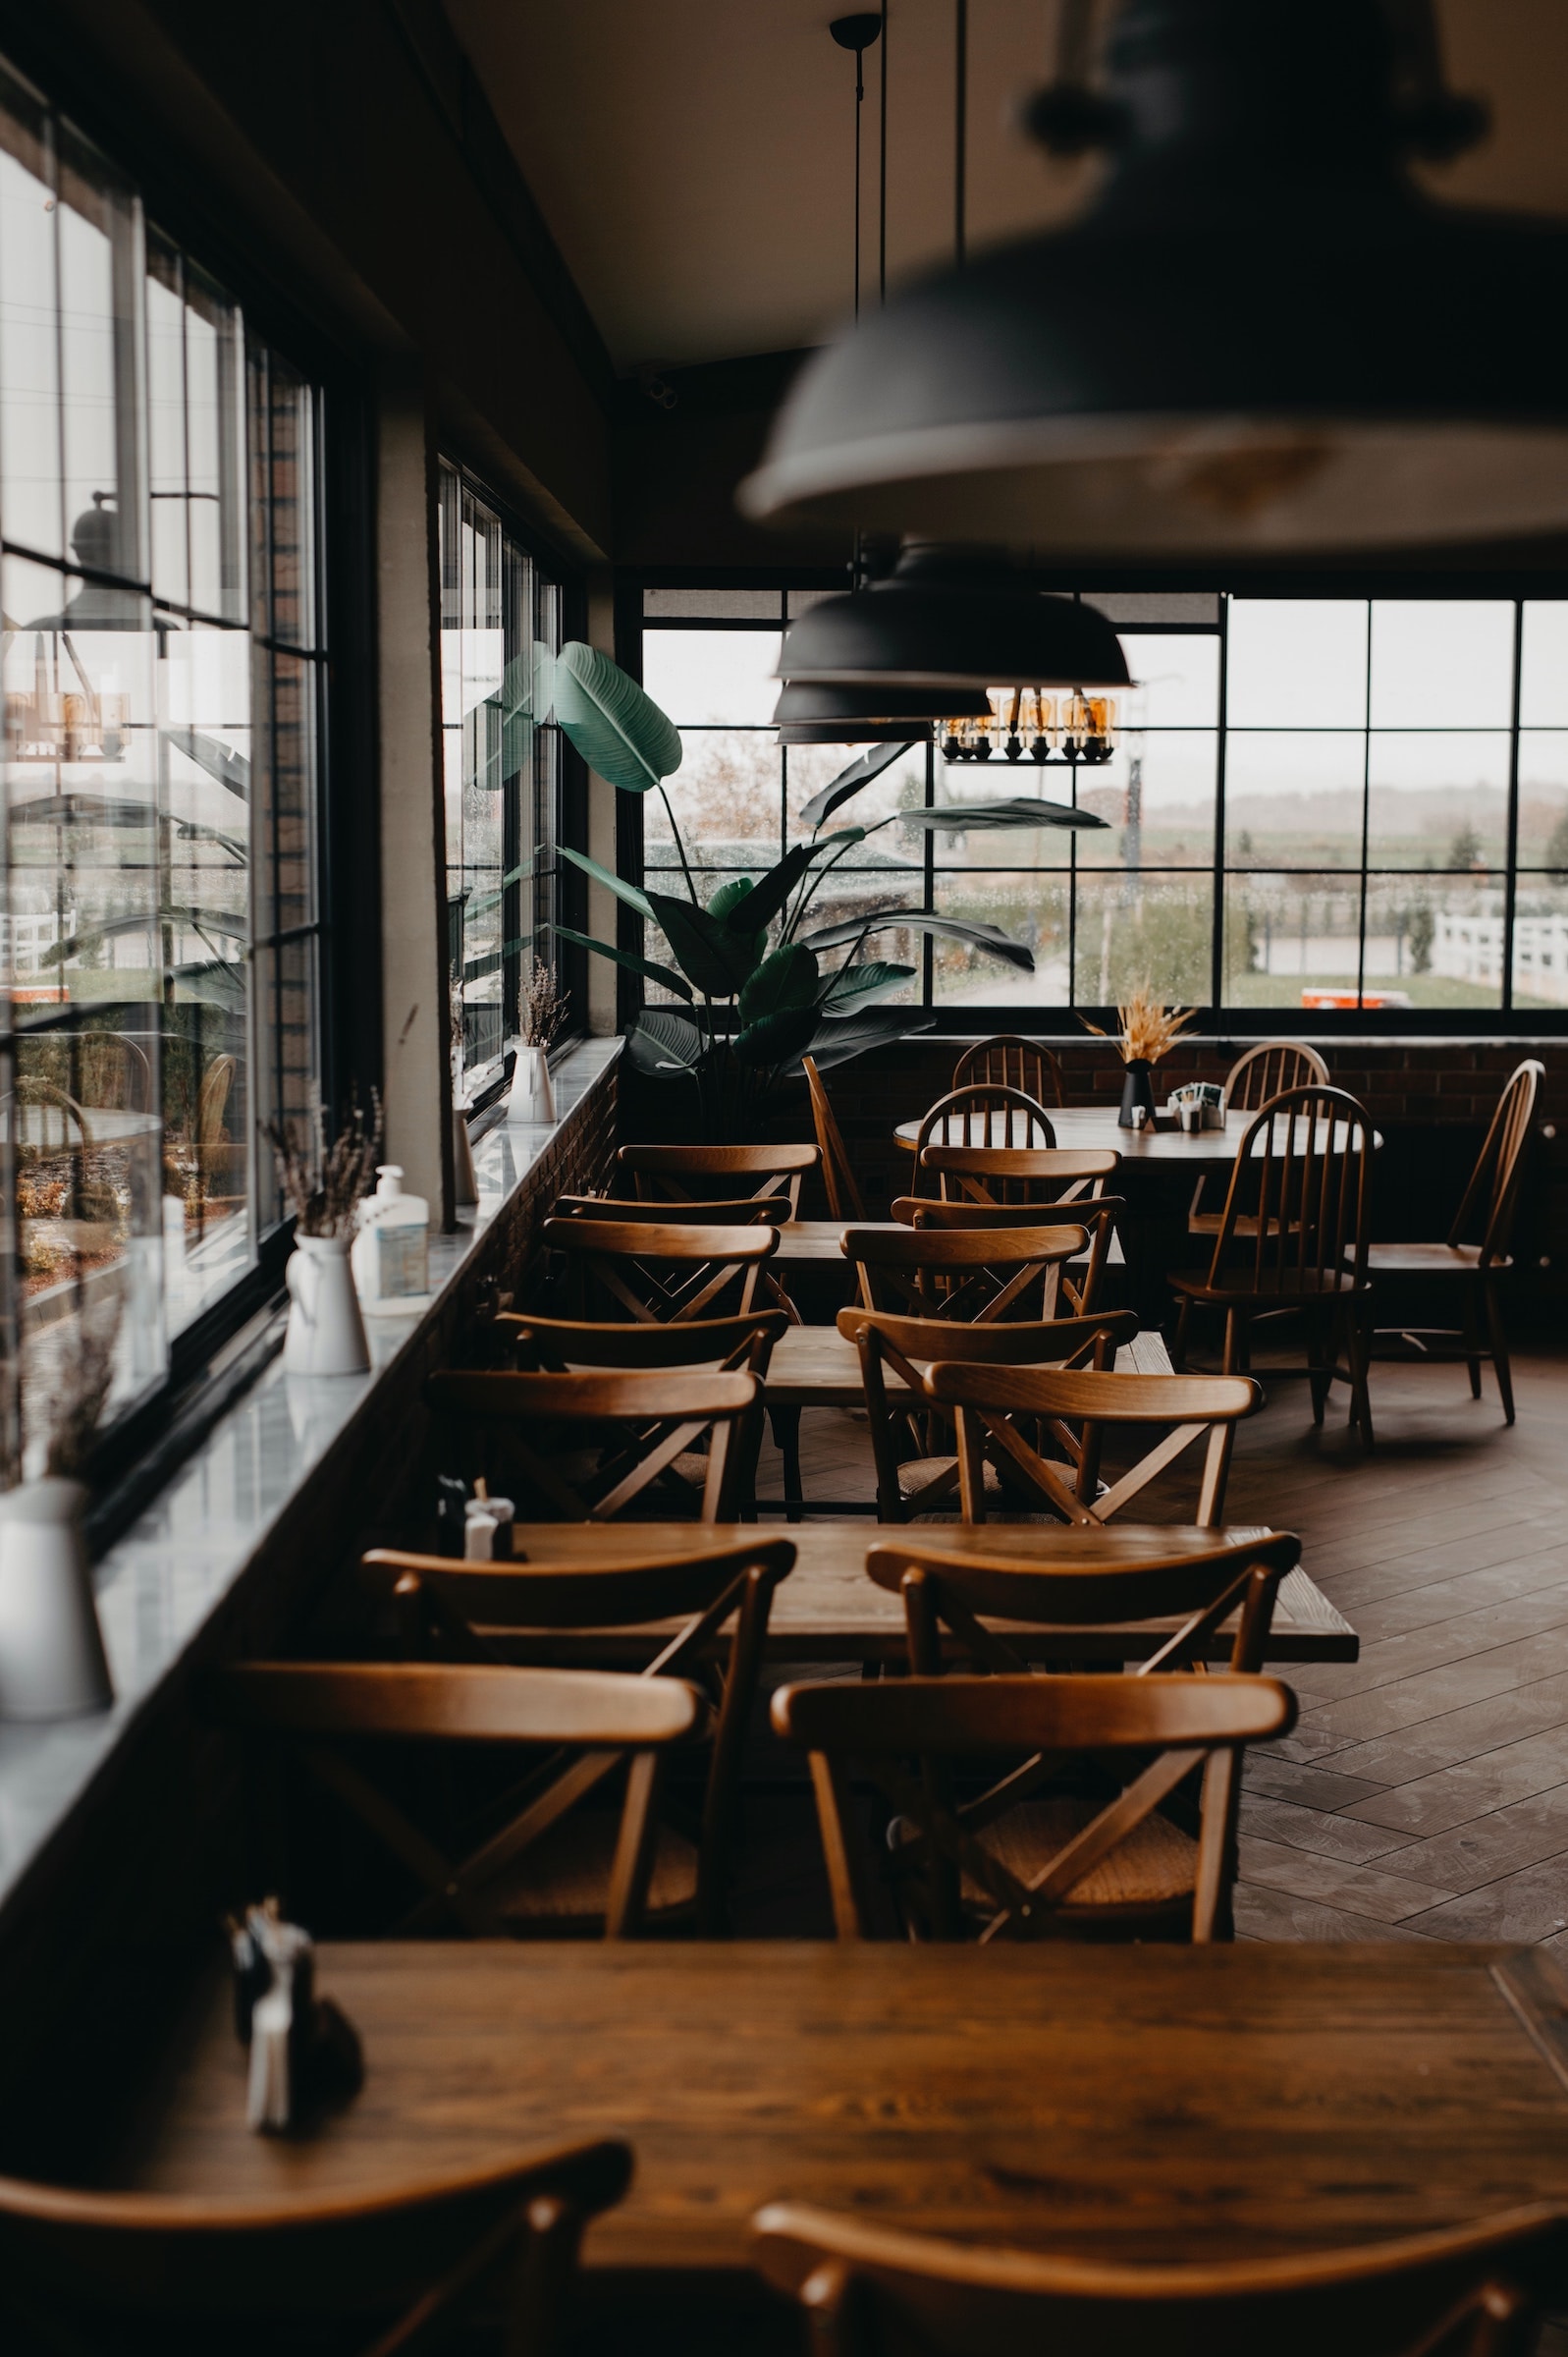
[
  {"x": 960, "y": 129},
  {"x": 860, "y": 101},
  {"x": 881, "y": 171}
]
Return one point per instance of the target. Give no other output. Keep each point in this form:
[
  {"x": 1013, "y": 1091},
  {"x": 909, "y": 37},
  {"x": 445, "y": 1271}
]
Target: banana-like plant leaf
[
  {"x": 728, "y": 897},
  {"x": 177, "y": 913},
  {"x": 664, "y": 1044},
  {"x": 617, "y": 728},
  {"x": 849, "y": 782},
  {"x": 955, "y": 818},
  {"x": 648, "y": 968},
  {"x": 767, "y": 896},
  {"x": 600, "y": 875},
  {"x": 778, "y": 1037},
  {"x": 919, "y": 921},
  {"x": 713, "y": 957},
  {"x": 861, "y": 985},
  {"x": 84, "y": 809},
  {"x": 786, "y": 979},
  {"x": 222, "y": 764},
  {"x": 850, "y": 1035}
]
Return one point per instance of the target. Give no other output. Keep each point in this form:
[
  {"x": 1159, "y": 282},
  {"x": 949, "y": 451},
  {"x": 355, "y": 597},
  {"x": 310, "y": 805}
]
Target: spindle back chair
[
  {"x": 983, "y": 1114},
  {"x": 837, "y": 1173},
  {"x": 1017, "y": 1063},
  {"x": 1263, "y": 1072}
]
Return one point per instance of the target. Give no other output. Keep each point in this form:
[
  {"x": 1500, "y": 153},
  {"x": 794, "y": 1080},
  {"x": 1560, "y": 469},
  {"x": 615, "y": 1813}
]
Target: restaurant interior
[{"x": 784, "y": 1016}]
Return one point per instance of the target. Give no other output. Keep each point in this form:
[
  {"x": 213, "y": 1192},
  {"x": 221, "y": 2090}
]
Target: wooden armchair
[
  {"x": 544, "y": 1612},
  {"x": 993, "y": 1409},
  {"x": 1074, "y": 1866},
  {"x": 315, "y": 1709},
  {"x": 914, "y": 1474},
  {"x": 84, "y": 2271},
  {"x": 748, "y": 1173},
  {"x": 663, "y": 1271},
  {"x": 962, "y": 1276},
  {"x": 1081, "y": 1282},
  {"x": 866, "y": 2288}
]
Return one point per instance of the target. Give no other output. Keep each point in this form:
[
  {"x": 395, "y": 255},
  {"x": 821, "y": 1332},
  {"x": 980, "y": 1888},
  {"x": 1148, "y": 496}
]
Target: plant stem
[{"x": 679, "y": 847}]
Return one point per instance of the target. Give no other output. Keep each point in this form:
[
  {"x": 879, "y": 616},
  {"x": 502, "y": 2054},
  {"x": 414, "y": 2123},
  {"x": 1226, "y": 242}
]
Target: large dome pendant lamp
[{"x": 1290, "y": 347}]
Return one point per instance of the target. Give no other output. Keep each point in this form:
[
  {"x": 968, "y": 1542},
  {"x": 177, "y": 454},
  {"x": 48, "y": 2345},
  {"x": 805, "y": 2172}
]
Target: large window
[
  {"x": 163, "y": 668},
  {"x": 1315, "y": 806},
  {"x": 501, "y": 622}
]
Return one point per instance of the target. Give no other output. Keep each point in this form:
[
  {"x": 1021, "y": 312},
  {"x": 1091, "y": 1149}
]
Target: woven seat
[
  {"x": 1155, "y": 1866},
  {"x": 561, "y": 1884}
]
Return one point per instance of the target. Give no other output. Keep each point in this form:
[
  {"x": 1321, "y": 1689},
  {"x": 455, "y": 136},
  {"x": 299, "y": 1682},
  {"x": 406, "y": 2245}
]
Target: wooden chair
[
  {"x": 315, "y": 1708},
  {"x": 563, "y": 1345},
  {"x": 964, "y": 1274},
  {"x": 1112, "y": 1867},
  {"x": 1091, "y": 1580},
  {"x": 1472, "y": 1269},
  {"x": 539, "y": 1612},
  {"x": 963, "y": 1118},
  {"x": 837, "y": 1175},
  {"x": 647, "y": 1426},
  {"x": 1026, "y": 1064},
  {"x": 1264, "y": 1071},
  {"x": 1081, "y": 1282},
  {"x": 1293, "y": 1237},
  {"x": 83, "y": 2271},
  {"x": 868, "y": 2289},
  {"x": 747, "y": 1174},
  {"x": 724, "y": 1212},
  {"x": 662, "y": 1271},
  {"x": 913, "y": 1474},
  {"x": 993, "y": 1408},
  {"x": 1032, "y": 1175}
]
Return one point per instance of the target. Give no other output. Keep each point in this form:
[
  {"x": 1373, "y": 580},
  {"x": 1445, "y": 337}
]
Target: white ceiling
[{"x": 693, "y": 157}]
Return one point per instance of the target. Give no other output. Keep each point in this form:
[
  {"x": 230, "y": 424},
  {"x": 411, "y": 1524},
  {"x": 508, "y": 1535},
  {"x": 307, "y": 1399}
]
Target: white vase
[
  {"x": 532, "y": 1096},
  {"x": 52, "y": 1663},
  {"x": 326, "y": 1333}
]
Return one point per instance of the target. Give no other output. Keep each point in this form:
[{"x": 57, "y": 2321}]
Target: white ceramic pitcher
[
  {"x": 52, "y": 1663},
  {"x": 326, "y": 1333}
]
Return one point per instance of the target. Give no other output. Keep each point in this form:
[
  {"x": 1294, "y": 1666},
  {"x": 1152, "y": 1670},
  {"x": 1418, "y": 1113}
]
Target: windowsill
[{"x": 160, "y": 1585}]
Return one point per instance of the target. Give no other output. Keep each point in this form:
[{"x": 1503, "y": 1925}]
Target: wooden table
[
  {"x": 1135, "y": 2104},
  {"x": 815, "y": 1366},
  {"x": 815, "y": 1242},
  {"x": 829, "y": 1610},
  {"x": 1092, "y": 1129}
]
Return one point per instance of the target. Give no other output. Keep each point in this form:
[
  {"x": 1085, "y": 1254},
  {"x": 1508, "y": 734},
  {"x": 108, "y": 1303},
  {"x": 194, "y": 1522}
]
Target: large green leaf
[
  {"x": 850, "y": 1035},
  {"x": 664, "y": 1044},
  {"x": 1026, "y": 810},
  {"x": 776, "y": 1038},
  {"x": 918, "y": 921},
  {"x": 728, "y": 898},
  {"x": 617, "y": 728},
  {"x": 849, "y": 782},
  {"x": 717, "y": 959},
  {"x": 648, "y": 968},
  {"x": 765, "y": 897},
  {"x": 786, "y": 979},
  {"x": 861, "y": 985},
  {"x": 600, "y": 875}
]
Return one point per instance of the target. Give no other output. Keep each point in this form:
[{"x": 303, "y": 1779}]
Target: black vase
[{"x": 1137, "y": 1090}]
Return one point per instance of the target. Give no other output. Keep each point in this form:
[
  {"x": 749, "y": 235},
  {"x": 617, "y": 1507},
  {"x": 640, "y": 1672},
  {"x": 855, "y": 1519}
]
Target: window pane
[
  {"x": 1287, "y": 937},
  {"x": 282, "y": 502},
  {"x": 1294, "y": 799},
  {"x": 727, "y": 799},
  {"x": 1437, "y": 801},
  {"x": 1435, "y": 940},
  {"x": 30, "y": 488},
  {"x": 100, "y": 289},
  {"x": 1178, "y": 680},
  {"x": 215, "y": 447},
  {"x": 286, "y": 726},
  {"x": 1147, "y": 932},
  {"x": 1540, "y": 942},
  {"x": 166, "y": 424},
  {"x": 709, "y": 678},
  {"x": 900, "y": 787},
  {"x": 1543, "y": 665},
  {"x": 1156, "y": 792},
  {"x": 1031, "y": 909},
  {"x": 1297, "y": 663},
  {"x": 1441, "y": 664},
  {"x": 1544, "y": 798},
  {"x": 286, "y": 1083}
]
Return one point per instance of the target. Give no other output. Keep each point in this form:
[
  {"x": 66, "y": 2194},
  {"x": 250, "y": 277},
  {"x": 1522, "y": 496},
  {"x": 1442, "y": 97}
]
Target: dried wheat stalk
[
  {"x": 1148, "y": 1029},
  {"x": 324, "y": 1183},
  {"x": 544, "y": 1007},
  {"x": 84, "y": 1371}
]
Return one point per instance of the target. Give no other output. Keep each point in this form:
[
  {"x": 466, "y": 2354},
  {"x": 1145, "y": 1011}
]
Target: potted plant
[
  {"x": 542, "y": 1018},
  {"x": 1149, "y": 1030},
  {"x": 323, "y": 1184}
]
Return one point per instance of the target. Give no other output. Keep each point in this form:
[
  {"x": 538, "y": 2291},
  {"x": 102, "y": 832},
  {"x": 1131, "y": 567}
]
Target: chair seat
[
  {"x": 563, "y": 1882},
  {"x": 1427, "y": 1260},
  {"x": 916, "y": 1471},
  {"x": 1292, "y": 1285},
  {"x": 1156, "y": 1865},
  {"x": 1210, "y": 1223}
]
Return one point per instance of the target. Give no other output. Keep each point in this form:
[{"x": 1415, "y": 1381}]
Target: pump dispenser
[{"x": 391, "y": 1253}]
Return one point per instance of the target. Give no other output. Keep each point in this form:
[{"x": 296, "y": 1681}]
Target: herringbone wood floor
[{"x": 1425, "y": 1794}]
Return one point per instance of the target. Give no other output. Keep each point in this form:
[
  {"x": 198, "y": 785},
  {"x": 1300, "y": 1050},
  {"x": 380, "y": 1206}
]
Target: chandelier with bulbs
[{"x": 1024, "y": 722}]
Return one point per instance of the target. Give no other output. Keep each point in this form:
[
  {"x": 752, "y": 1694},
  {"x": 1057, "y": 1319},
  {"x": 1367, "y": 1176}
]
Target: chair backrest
[
  {"x": 726, "y": 1344},
  {"x": 768, "y": 1211},
  {"x": 75, "y": 2262},
  {"x": 1090, "y": 1579},
  {"x": 983, "y": 1114},
  {"x": 993, "y": 1408},
  {"x": 746, "y": 1173},
  {"x": 662, "y": 1271},
  {"x": 1270, "y": 1069},
  {"x": 1493, "y": 1195},
  {"x": 1297, "y": 1206},
  {"x": 654, "y": 1417},
  {"x": 900, "y": 1349},
  {"x": 969, "y": 1275},
  {"x": 1467, "y": 2291},
  {"x": 1026, "y": 1064},
  {"x": 1187, "y": 1721},
  {"x": 520, "y": 1609},
  {"x": 837, "y": 1175},
  {"x": 1100, "y": 1215},
  {"x": 1016, "y": 1173}
]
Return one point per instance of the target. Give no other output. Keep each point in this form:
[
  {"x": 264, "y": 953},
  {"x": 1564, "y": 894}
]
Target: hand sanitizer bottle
[{"x": 391, "y": 1253}]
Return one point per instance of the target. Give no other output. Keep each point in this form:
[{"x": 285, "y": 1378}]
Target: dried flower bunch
[
  {"x": 1148, "y": 1029},
  {"x": 544, "y": 1006},
  {"x": 80, "y": 1375},
  {"x": 323, "y": 1184}
]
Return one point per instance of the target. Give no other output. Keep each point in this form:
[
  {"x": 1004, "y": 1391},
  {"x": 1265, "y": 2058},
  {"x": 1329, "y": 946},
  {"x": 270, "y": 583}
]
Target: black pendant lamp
[
  {"x": 1260, "y": 339},
  {"x": 812, "y": 712}
]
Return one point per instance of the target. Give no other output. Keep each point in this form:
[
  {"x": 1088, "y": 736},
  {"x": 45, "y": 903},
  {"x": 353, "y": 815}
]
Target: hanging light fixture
[{"x": 1286, "y": 355}]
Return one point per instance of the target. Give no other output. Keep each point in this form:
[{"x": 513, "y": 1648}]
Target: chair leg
[
  {"x": 1356, "y": 1355},
  {"x": 1499, "y": 1348},
  {"x": 787, "y": 1440},
  {"x": 1471, "y": 1338},
  {"x": 1178, "y": 1348},
  {"x": 1232, "y": 1357},
  {"x": 1318, "y": 1376}
]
